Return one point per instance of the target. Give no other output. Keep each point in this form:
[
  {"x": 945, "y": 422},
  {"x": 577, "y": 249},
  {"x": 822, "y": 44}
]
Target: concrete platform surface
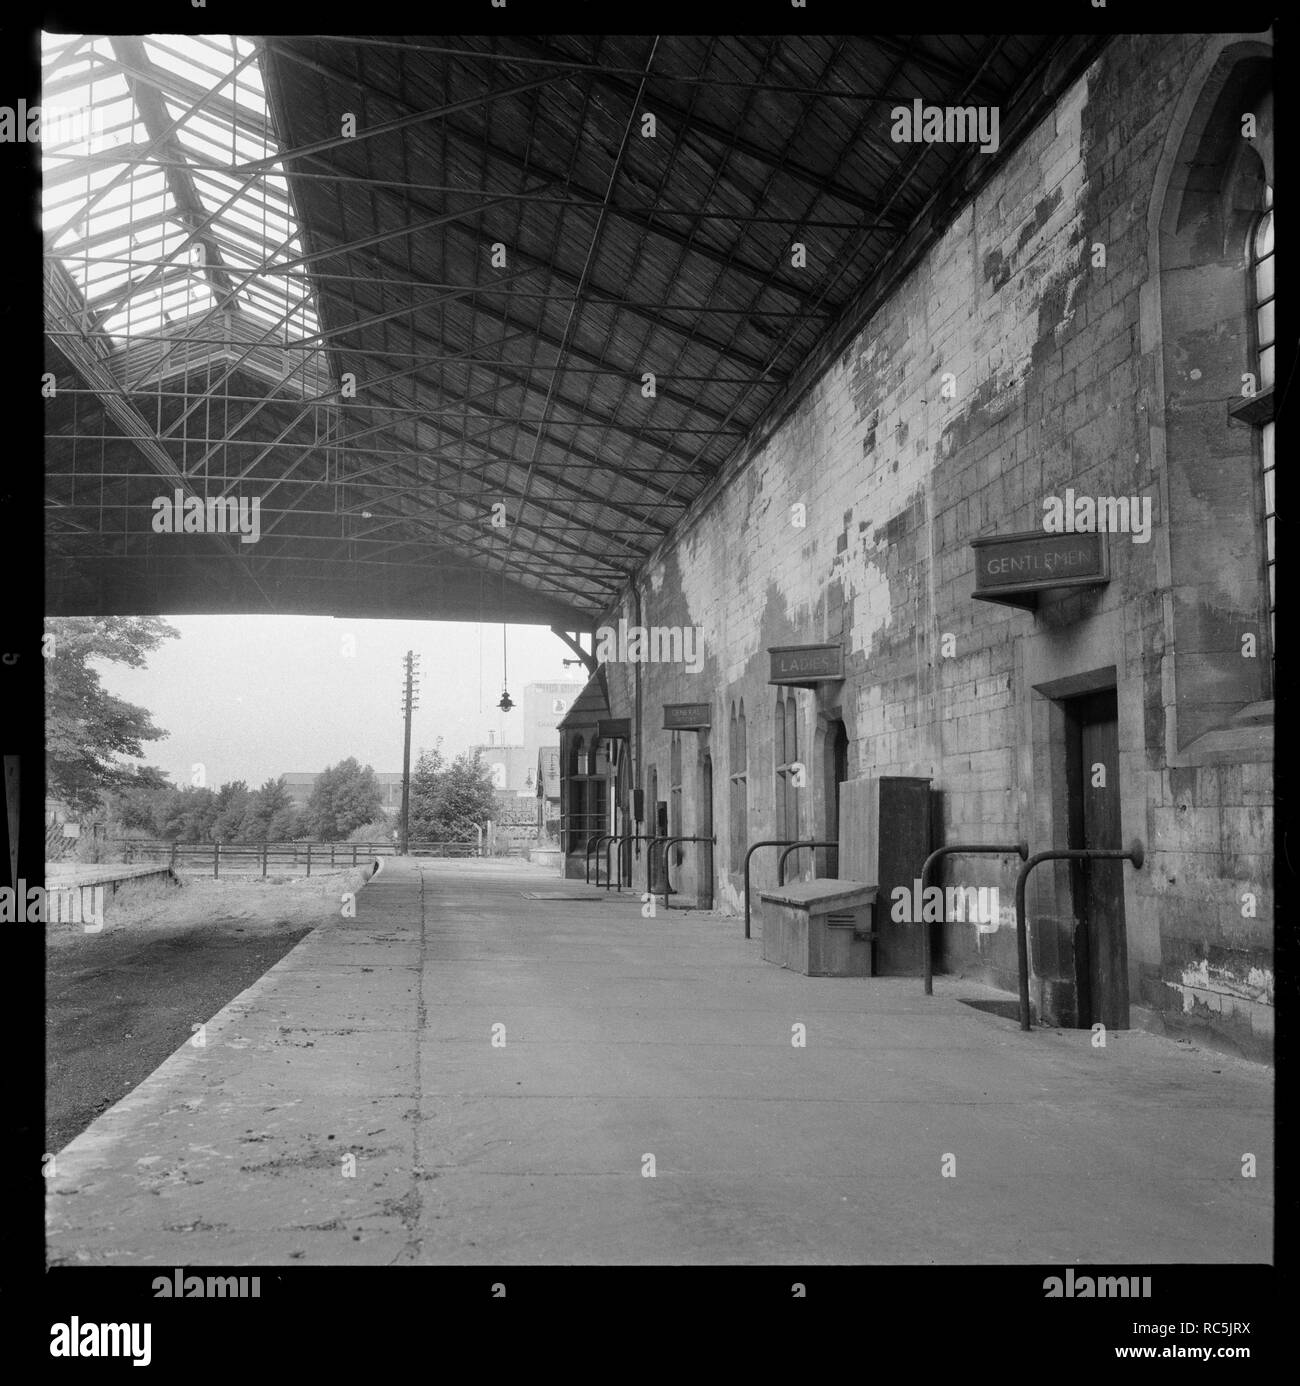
[{"x": 463, "y": 1075}]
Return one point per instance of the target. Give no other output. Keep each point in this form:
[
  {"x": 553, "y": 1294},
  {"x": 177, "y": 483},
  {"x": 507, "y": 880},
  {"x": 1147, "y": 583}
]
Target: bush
[{"x": 378, "y": 830}]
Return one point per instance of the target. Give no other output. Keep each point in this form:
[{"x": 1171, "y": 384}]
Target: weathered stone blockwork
[{"x": 1008, "y": 365}]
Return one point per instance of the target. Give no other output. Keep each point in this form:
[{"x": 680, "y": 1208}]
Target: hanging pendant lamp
[{"x": 507, "y": 702}]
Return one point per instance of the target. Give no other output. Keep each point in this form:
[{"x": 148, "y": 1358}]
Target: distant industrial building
[
  {"x": 517, "y": 768},
  {"x": 300, "y": 786}
]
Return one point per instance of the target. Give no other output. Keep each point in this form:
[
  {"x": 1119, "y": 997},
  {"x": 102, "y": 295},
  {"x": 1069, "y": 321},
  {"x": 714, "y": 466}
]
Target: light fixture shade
[{"x": 507, "y": 702}]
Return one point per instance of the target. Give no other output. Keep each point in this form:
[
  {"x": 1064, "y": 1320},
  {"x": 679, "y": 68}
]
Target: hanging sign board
[
  {"x": 1015, "y": 568},
  {"x": 805, "y": 666},
  {"x": 687, "y": 716}
]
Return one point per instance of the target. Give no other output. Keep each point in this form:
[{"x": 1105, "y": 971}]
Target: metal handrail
[
  {"x": 618, "y": 842},
  {"x": 768, "y": 842},
  {"x": 1136, "y": 853},
  {"x": 794, "y": 847},
  {"x": 600, "y": 838},
  {"x": 670, "y": 842},
  {"x": 1021, "y": 849},
  {"x": 586, "y": 858}
]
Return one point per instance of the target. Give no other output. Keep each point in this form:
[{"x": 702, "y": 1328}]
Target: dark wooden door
[
  {"x": 1101, "y": 951},
  {"x": 835, "y": 770}
]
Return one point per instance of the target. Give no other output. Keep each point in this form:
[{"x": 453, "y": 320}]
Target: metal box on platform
[
  {"x": 820, "y": 928},
  {"x": 841, "y": 927}
]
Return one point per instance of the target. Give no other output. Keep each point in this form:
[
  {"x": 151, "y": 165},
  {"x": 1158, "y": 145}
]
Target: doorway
[
  {"x": 1092, "y": 782},
  {"x": 835, "y": 770}
]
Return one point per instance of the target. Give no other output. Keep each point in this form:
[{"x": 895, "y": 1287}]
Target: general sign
[
  {"x": 687, "y": 716},
  {"x": 805, "y": 666},
  {"x": 1015, "y": 568}
]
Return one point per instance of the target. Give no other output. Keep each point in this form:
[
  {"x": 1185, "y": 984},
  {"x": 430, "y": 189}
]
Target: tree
[
  {"x": 188, "y": 815},
  {"x": 272, "y": 815},
  {"x": 345, "y": 796},
  {"x": 378, "y": 830},
  {"x": 87, "y": 729},
  {"x": 469, "y": 797},
  {"x": 136, "y": 805},
  {"x": 447, "y": 800},
  {"x": 233, "y": 800},
  {"x": 426, "y": 795}
]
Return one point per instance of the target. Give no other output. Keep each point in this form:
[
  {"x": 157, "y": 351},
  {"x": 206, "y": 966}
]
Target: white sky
[{"x": 255, "y": 696}]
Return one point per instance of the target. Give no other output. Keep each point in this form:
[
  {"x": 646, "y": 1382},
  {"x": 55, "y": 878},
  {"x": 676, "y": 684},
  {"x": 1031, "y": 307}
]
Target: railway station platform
[
  {"x": 491, "y": 1065},
  {"x": 84, "y": 875}
]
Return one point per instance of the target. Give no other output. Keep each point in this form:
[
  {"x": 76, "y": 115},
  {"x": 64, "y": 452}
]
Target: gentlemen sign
[
  {"x": 687, "y": 716},
  {"x": 1015, "y": 568},
  {"x": 805, "y": 666}
]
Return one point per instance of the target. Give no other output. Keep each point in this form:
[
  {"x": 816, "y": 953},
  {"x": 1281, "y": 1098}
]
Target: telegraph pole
[{"x": 409, "y": 703}]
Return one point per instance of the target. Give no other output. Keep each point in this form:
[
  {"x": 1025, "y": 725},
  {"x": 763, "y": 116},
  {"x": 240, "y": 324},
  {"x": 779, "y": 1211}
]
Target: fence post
[
  {"x": 216, "y": 861},
  {"x": 354, "y": 854},
  {"x": 265, "y": 848},
  {"x": 331, "y": 854},
  {"x": 309, "y": 858}
]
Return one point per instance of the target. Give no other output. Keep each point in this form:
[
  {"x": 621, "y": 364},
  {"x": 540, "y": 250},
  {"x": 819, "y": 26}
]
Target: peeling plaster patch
[
  {"x": 868, "y": 374},
  {"x": 1006, "y": 920},
  {"x": 1048, "y": 267},
  {"x": 1198, "y": 975},
  {"x": 1042, "y": 215},
  {"x": 1203, "y": 976}
]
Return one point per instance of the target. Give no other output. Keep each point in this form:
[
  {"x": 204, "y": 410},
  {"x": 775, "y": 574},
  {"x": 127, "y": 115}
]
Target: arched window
[
  {"x": 787, "y": 757},
  {"x": 675, "y": 793},
  {"x": 738, "y": 770},
  {"x": 1262, "y": 292},
  {"x": 1210, "y": 248}
]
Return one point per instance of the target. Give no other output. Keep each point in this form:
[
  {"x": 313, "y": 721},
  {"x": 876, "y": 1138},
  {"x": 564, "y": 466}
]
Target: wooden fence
[{"x": 259, "y": 858}]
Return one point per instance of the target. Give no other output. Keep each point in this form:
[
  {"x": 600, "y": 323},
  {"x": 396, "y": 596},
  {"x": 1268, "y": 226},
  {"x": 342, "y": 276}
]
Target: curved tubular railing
[
  {"x": 669, "y": 843},
  {"x": 1136, "y": 853},
  {"x": 603, "y": 837},
  {"x": 649, "y": 862},
  {"x": 768, "y": 842},
  {"x": 586, "y": 858},
  {"x": 1020, "y": 849},
  {"x": 794, "y": 847},
  {"x": 609, "y": 847}
]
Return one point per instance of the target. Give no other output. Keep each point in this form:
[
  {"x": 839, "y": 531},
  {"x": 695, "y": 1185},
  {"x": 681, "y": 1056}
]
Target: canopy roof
[{"x": 409, "y": 294}]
